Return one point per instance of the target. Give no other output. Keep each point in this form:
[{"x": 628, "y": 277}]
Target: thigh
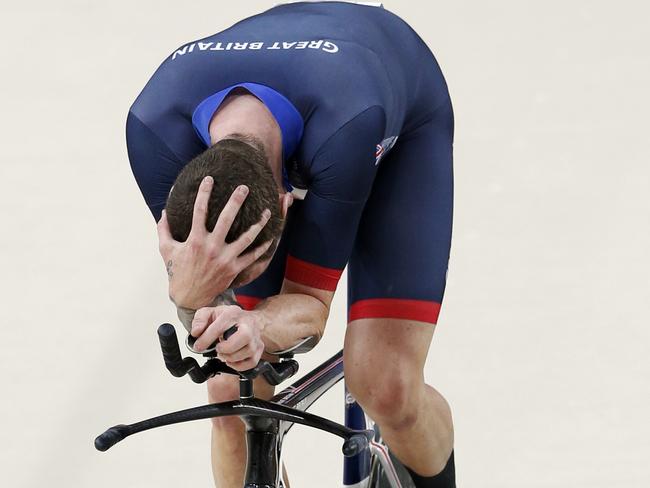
[
  {"x": 398, "y": 267},
  {"x": 374, "y": 347}
]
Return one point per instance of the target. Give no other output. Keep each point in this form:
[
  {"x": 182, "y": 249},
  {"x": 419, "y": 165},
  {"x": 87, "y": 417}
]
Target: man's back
[{"x": 331, "y": 60}]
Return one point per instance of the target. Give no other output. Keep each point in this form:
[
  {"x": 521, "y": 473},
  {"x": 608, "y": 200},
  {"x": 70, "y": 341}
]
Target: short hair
[{"x": 237, "y": 160}]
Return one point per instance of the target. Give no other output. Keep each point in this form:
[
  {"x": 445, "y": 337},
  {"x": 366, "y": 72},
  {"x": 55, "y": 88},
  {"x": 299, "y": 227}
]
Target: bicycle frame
[
  {"x": 267, "y": 422},
  {"x": 299, "y": 396}
]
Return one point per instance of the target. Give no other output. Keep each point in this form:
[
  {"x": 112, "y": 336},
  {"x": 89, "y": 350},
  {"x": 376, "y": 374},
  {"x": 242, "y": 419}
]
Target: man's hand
[
  {"x": 204, "y": 266},
  {"x": 242, "y": 350}
]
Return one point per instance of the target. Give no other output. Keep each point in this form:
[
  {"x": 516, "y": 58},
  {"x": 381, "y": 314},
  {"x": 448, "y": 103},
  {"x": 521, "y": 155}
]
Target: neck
[{"x": 243, "y": 113}]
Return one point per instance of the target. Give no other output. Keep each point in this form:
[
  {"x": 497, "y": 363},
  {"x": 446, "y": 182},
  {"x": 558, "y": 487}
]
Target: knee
[
  {"x": 391, "y": 398},
  {"x": 225, "y": 388}
]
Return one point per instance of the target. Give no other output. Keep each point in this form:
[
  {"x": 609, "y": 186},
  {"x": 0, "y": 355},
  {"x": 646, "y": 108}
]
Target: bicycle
[{"x": 368, "y": 463}]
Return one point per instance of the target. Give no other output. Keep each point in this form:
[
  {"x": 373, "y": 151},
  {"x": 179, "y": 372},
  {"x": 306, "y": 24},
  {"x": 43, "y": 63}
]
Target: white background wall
[{"x": 542, "y": 347}]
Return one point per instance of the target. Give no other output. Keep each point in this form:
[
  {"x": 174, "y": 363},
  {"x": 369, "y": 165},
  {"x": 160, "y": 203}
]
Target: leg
[
  {"x": 397, "y": 276},
  {"x": 384, "y": 359}
]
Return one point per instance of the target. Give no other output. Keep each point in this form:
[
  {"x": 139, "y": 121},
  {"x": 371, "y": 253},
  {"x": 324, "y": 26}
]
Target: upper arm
[
  {"x": 323, "y": 296},
  {"x": 154, "y": 165}
]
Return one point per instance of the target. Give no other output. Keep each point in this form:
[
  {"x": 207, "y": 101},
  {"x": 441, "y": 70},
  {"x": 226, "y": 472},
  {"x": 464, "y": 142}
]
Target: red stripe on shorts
[
  {"x": 309, "y": 274},
  {"x": 393, "y": 308},
  {"x": 248, "y": 302}
]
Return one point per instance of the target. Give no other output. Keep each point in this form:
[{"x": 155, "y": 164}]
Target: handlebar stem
[{"x": 245, "y": 388}]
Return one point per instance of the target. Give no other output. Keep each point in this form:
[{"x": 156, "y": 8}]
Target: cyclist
[{"x": 342, "y": 111}]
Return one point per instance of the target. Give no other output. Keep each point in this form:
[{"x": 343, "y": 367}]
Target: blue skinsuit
[{"x": 367, "y": 127}]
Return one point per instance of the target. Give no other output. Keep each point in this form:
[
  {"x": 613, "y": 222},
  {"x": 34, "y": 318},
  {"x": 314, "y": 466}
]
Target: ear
[{"x": 286, "y": 199}]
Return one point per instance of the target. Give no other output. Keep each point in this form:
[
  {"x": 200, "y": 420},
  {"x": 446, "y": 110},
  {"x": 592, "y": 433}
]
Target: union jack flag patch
[{"x": 383, "y": 148}]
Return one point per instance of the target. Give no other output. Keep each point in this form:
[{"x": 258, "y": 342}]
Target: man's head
[{"x": 239, "y": 160}]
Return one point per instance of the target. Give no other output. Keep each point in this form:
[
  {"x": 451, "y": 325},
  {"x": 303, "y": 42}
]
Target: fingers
[
  {"x": 201, "y": 206},
  {"x": 235, "y": 342},
  {"x": 225, "y": 318},
  {"x": 165, "y": 239},
  {"x": 244, "y": 358},
  {"x": 246, "y": 352},
  {"x": 241, "y": 351},
  {"x": 248, "y": 237},
  {"x": 246, "y": 260},
  {"x": 229, "y": 212},
  {"x": 250, "y": 363},
  {"x": 202, "y": 318}
]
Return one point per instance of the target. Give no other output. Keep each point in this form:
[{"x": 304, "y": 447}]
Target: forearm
[
  {"x": 290, "y": 317},
  {"x": 201, "y": 296},
  {"x": 186, "y": 315}
]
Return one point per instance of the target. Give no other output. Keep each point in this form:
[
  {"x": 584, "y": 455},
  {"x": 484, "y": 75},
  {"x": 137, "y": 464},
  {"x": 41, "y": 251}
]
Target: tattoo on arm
[{"x": 169, "y": 268}]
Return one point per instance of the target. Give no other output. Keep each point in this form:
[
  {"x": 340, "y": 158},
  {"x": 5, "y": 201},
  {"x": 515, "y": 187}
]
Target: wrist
[
  {"x": 263, "y": 322},
  {"x": 186, "y": 316},
  {"x": 189, "y": 303},
  {"x": 261, "y": 319}
]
